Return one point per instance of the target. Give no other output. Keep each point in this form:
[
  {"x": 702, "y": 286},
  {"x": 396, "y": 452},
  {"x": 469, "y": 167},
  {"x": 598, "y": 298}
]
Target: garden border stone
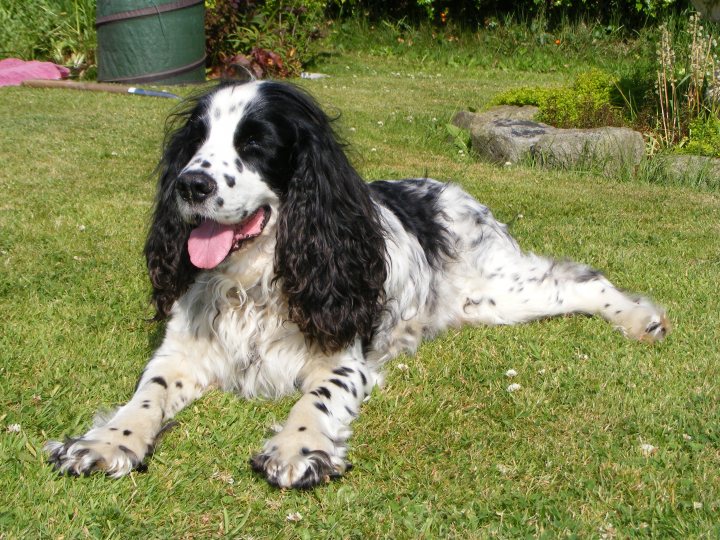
[
  {"x": 694, "y": 167},
  {"x": 508, "y": 134}
]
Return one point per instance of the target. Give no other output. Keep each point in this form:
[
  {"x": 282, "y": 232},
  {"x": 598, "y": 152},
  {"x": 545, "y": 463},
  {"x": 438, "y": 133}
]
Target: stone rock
[
  {"x": 610, "y": 149},
  {"x": 697, "y": 169},
  {"x": 709, "y": 8},
  {"x": 508, "y": 134},
  {"x": 507, "y": 140}
]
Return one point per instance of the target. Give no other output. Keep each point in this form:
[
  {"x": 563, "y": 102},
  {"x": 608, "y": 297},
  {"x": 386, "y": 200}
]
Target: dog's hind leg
[
  {"x": 495, "y": 282},
  {"x": 514, "y": 287}
]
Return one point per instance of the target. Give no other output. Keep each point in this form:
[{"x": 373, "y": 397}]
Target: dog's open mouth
[{"x": 211, "y": 242}]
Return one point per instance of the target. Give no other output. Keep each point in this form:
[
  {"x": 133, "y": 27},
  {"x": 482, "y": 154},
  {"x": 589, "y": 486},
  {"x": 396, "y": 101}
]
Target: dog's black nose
[{"x": 195, "y": 187}]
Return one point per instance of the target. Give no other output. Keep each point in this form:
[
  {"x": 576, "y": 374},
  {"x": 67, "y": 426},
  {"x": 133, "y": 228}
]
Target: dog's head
[{"x": 261, "y": 158}]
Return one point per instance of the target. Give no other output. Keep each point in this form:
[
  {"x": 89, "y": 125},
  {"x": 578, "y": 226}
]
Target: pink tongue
[{"x": 210, "y": 242}]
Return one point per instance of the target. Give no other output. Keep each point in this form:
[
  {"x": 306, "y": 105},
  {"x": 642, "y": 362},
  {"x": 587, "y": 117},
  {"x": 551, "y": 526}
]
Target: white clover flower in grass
[
  {"x": 647, "y": 449},
  {"x": 402, "y": 367},
  {"x": 13, "y": 428},
  {"x": 514, "y": 387},
  {"x": 294, "y": 516},
  {"x": 510, "y": 373}
]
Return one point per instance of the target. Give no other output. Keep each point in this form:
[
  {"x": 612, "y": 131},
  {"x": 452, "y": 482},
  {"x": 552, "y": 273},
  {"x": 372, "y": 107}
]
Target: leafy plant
[
  {"x": 587, "y": 103},
  {"x": 526, "y": 95},
  {"x": 474, "y": 13},
  {"x": 704, "y": 137},
  {"x": 258, "y": 63},
  {"x": 273, "y": 38},
  {"x": 222, "y": 18}
]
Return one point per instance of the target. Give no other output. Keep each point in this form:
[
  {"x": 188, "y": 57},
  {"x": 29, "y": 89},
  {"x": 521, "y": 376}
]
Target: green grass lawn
[{"x": 443, "y": 450}]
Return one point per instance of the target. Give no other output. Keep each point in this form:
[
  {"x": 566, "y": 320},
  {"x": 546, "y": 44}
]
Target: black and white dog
[{"x": 281, "y": 269}]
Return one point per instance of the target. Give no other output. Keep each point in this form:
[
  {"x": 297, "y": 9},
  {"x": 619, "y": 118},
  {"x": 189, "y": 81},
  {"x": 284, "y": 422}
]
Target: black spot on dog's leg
[
  {"x": 339, "y": 384},
  {"x": 350, "y": 411},
  {"x": 322, "y": 407},
  {"x": 159, "y": 380}
]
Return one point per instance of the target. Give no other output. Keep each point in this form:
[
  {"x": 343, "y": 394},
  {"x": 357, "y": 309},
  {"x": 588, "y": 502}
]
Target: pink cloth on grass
[{"x": 13, "y": 71}]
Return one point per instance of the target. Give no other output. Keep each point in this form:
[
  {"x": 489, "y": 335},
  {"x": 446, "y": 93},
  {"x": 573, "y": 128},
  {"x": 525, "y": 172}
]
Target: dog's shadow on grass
[{"x": 156, "y": 333}]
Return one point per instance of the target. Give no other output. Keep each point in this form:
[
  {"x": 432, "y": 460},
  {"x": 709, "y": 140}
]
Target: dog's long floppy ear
[
  {"x": 330, "y": 249},
  {"x": 169, "y": 267}
]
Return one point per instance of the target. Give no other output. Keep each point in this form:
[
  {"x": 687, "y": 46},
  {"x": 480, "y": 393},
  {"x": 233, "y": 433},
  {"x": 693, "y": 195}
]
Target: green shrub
[
  {"x": 272, "y": 38},
  {"x": 526, "y": 95},
  {"x": 587, "y": 103},
  {"x": 475, "y": 13},
  {"x": 704, "y": 137}
]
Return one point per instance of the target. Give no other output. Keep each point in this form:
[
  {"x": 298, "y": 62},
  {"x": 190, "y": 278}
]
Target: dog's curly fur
[{"x": 327, "y": 279}]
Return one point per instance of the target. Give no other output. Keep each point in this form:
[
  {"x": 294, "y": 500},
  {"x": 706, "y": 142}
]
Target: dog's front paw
[
  {"x": 300, "y": 460},
  {"x": 110, "y": 450}
]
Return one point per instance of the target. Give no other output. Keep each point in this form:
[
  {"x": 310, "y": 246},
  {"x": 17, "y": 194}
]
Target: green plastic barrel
[{"x": 141, "y": 41}]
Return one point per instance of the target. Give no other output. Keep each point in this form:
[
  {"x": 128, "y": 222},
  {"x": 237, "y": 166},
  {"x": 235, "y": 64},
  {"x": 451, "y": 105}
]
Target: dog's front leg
[
  {"x": 177, "y": 374},
  {"x": 311, "y": 447}
]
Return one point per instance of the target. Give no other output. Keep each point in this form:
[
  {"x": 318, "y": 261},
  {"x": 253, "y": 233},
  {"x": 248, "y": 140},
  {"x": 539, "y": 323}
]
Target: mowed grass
[{"x": 443, "y": 450}]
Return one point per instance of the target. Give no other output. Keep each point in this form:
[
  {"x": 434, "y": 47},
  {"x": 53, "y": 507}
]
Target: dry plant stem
[{"x": 667, "y": 89}]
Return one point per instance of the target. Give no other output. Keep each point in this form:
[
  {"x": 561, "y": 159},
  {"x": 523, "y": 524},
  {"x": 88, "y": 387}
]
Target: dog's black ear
[
  {"x": 330, "y": 251},
  {"x": 168, "y": 263}
]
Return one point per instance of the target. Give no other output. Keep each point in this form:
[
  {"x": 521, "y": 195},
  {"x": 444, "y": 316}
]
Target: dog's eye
[{"x": 248, "y": 136}]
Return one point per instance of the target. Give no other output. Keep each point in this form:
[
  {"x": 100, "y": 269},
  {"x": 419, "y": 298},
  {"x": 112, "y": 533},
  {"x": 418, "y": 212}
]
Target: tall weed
[
  {"x": 62, "y": 31},
  {"x": 686, "y": 73}
]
